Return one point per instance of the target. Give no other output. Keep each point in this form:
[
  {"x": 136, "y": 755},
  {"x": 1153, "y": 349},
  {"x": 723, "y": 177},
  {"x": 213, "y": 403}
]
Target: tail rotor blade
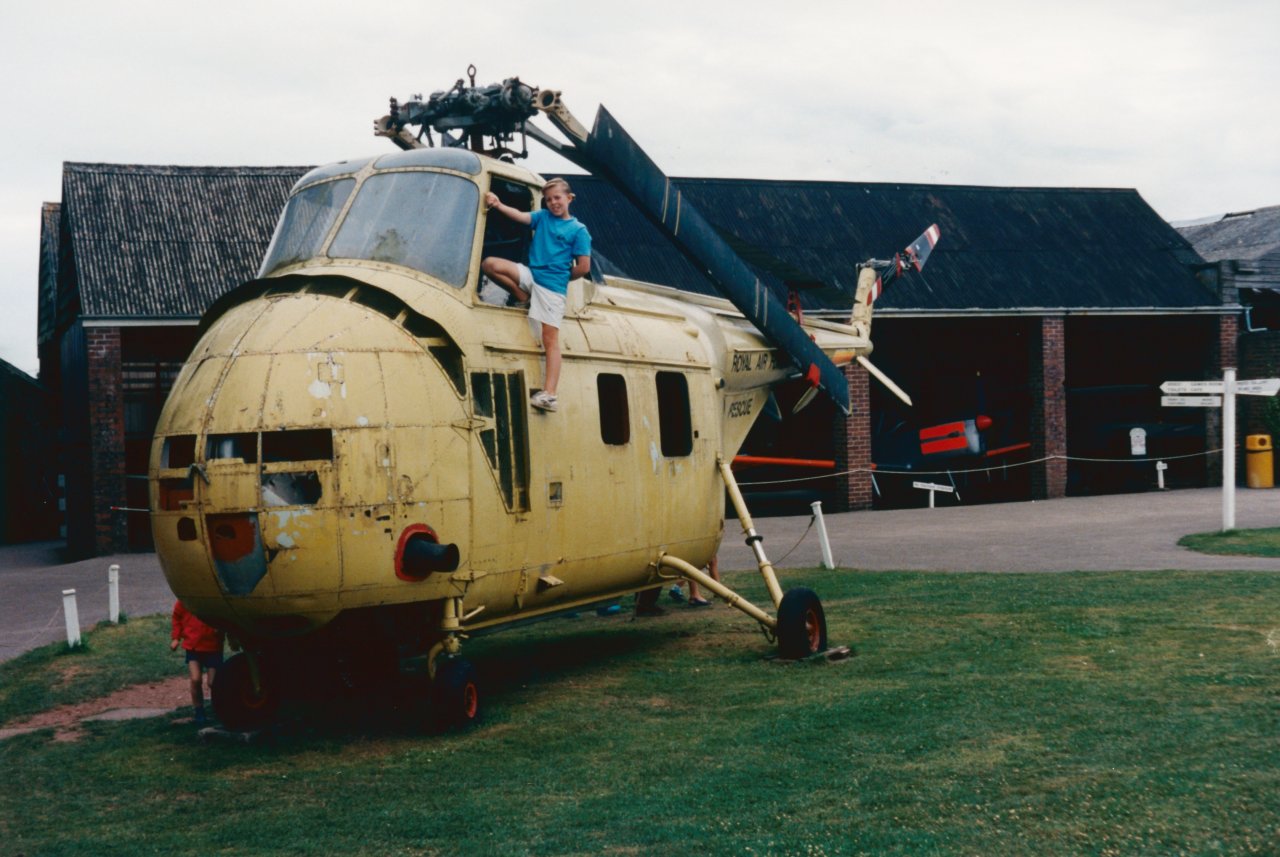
[
  {"x": 884, "y": 379},
  {"x": 919, "y": 250}
]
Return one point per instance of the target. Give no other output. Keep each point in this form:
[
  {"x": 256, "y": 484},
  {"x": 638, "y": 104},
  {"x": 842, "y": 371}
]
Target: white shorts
[{"x": 545, "y": 306}]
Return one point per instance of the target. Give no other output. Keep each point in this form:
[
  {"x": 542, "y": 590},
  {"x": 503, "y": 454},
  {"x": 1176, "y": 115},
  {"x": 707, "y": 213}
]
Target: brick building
[
  {"x": 1056, "y": 311},
  {"x": 1242, "y": 252}
]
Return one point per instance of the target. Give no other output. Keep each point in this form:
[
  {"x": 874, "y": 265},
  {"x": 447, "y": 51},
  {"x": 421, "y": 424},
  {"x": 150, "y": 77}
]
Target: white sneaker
[{"x": 543, "y": 401}]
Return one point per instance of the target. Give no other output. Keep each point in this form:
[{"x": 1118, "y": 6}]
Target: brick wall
[
  {"x": 853, "y": 444},
  {"x": 1048, "y": 370},
  {"x": 1259, "y": 356},
  {"x": 106, "y": 437}
]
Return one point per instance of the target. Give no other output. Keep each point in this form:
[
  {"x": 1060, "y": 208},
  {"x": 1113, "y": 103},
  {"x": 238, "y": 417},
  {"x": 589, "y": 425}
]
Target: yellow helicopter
[{"x": 348, "y": 469}]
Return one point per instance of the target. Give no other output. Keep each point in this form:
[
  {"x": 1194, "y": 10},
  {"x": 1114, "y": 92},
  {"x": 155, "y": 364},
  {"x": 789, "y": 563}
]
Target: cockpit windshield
[
  {"x": 305, "y": 223},
  {"x": 422, "y": 220}
]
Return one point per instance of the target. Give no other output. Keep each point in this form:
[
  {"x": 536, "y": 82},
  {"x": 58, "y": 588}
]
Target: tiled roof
[
  {"x": 1250, "y": 238},
  {"x": 1001, "y": 248},
  {"x": 152, "y": 241}
]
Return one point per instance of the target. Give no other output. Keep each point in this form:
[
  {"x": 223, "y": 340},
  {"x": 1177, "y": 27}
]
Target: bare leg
[
  {"x": 551, "y": 344},
  {"x": 713, "y": 569},
  {"x": 197, "y": 695},
  {"x": 506, "y": 274}
]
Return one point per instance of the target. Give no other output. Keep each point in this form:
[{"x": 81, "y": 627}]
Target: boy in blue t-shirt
[{"x": 559, "y": 252}]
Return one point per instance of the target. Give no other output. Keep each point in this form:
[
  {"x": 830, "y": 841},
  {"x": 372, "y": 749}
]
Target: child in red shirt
[{"x": 203, "y": 646}]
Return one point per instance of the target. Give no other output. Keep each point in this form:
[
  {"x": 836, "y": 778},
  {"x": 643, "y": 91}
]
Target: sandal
[{"x": 699, "y": 602}]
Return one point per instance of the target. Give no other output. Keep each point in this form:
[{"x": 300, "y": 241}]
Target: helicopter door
[
  {"x": 504, "y": 237},
  {"x": 682, "y": 448}
]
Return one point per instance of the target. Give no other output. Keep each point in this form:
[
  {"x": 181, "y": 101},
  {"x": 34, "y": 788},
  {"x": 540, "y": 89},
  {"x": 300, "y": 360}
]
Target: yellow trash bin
[{"x": 1258, "y": 461}]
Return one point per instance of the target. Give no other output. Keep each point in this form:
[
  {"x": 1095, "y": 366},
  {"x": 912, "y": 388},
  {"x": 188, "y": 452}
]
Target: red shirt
[{"x": 195, "y": 635}]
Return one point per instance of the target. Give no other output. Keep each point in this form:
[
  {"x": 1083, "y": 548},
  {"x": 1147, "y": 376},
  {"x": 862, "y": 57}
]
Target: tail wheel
[
  {"x": 802, "y": 624},
  {"x": 237, "y": 702},
  {"x": 455, "y": 695}
]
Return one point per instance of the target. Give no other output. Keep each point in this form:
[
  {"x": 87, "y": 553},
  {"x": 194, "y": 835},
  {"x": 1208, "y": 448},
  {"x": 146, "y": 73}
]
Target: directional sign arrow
[
  {"x": 932, "y": 486},
  {"x": 1251, "y": 387},
  {"x": 1182, "y": 387},
  {"x": 1259, "y": 387},
  {"x": 1191, "y": 401}
]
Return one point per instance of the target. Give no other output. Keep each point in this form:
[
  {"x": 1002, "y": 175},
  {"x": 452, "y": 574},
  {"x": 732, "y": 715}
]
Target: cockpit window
[
  {"x": 305, "y": 223},
  {"x": 421, "y": 220}
]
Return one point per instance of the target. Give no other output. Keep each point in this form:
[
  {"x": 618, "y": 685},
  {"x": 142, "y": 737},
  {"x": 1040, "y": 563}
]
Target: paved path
[
  {"x": 32, "y": 577},
  {"x": 1123, "y": 531},
  {"x": 1132, "y": 532}
]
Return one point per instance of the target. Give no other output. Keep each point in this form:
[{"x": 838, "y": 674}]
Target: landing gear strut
[
  {"x": 455, "y": 692},
  {"x": 801, "y": 624}
]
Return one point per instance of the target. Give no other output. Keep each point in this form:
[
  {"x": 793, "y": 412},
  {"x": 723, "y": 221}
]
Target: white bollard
[
  {"x": 73, "y": 617},
  {"x": 827, "y": 561},
  {"x": 113, "y": 594},
  {"x": 1228, "y": 449},
  {"x": 1161, "y": 467}
]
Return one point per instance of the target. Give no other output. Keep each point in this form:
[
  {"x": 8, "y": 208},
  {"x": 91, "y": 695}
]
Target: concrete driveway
[{"x": 1119, "y": 532}]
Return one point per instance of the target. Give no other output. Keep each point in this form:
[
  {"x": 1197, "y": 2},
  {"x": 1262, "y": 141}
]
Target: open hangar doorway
[
  {"x": 956, "y": 370},
  {"x": 1115, "y": 366}
]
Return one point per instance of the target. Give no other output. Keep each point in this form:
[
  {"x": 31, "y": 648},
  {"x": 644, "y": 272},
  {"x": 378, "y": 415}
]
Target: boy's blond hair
[{"x": 557, "y": 181}]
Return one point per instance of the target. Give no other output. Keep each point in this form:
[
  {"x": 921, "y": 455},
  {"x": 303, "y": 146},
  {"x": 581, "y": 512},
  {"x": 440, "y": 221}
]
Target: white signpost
[
  {"x": 932, "y": 488},
  {"x": 1213, "y": 394}
]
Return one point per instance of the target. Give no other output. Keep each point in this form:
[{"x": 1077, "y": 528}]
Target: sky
[{"x": 1174, "y": 99}]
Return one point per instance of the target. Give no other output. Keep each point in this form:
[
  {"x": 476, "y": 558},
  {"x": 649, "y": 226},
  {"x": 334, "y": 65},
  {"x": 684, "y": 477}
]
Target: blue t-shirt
[{"x": 556, "y": 243}]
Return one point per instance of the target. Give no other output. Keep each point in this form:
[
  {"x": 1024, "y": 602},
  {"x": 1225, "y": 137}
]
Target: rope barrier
[
  {"x": 877, "y": 471},
  {"x": 779, "y": 560}
]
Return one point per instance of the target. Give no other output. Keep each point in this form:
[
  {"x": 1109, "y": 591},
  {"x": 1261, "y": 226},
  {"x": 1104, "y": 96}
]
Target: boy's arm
[
  {"x": 494, "y": 204},
  {"x": 581, "y": 267}
]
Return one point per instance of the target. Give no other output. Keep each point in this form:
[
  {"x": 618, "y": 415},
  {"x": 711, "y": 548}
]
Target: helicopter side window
[
  {"x": 423, "y": 221},
  {"x": 305, "y": 223},
  {"x": 504, "y": 237},
  {"x": 615, "y": 418},
  {"x": 675, "y": 425}
]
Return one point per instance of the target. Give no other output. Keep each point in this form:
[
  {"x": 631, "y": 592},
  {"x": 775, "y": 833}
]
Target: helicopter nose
[{"x": 322, "y": 421}]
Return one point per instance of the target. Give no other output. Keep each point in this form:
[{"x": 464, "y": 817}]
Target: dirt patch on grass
[{"x": 65, "y": 720}]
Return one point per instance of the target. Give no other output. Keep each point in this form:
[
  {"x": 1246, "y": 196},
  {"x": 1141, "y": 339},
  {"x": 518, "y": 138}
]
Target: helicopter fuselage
[{"x": 352, "y": 436}]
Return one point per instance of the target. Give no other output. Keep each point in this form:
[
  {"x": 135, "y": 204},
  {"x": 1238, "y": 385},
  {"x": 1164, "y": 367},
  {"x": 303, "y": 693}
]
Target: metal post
[
  {"x": 72, "y": 616},
  {"x": 113, "y": 594},
  {"x": 1161, "y": 467},
  {"x": 1228, "y": 449},
  {"x": 827, "y": 561}
]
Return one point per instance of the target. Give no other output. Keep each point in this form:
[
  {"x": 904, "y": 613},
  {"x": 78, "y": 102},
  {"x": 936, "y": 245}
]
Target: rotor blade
[
  {"x": 623, "y": 162},
  {"x": 884, "y": 379}
]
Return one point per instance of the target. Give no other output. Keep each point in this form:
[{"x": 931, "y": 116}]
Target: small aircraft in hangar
[
  {"x": 972, "y": 451},
  {"x": 347, "y": 474}
]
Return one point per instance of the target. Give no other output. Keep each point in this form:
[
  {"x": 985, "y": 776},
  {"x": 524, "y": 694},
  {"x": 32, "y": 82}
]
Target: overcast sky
[{"x": 1176, "y": 99}]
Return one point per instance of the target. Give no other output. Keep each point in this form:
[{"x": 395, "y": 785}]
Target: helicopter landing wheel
[
  {"x": 455, "y": 695},
  {"x": 237, "y": 703},
  {"x": 802, "y": 624}
]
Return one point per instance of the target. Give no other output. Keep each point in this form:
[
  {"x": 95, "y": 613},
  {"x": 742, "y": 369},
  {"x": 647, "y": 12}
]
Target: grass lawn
[
  {"x": 1261, "y": 542},
  {"x": 1134, "y": 713}
]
